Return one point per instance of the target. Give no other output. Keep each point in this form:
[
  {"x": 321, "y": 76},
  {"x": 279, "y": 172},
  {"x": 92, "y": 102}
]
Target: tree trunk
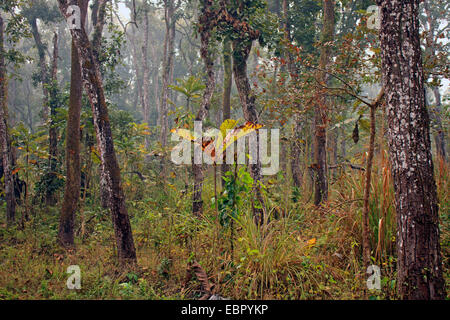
[
  {"x": 419, "y": 262},
  {"x": 430, "y": 50},
  {"x": 169, "y": 42},
  {"x": 296, "y": 148},
  {"x": 205, "y": 35},
  {"x": 50, "y": 196},
  {"x": 5, "y": 142},
  {"x": 155, "y": 81},
  {"x": 439, "y": 136},
  {"x": 296, "y": 151},
  {"x": 227, "y": 84},
  {"x": 43, "y": 67},
  {"x": 321, "y": 118},
  {"x": 145, "y": 74},
  {"x": 92, "y": 82},
  {"x": 369, "y": 162},
  {"x": 73, "y": 162},
  {"x": 98, "y": 27},
  {"x": 241, "y": 50},
  {"x": 96, "y": 49}
]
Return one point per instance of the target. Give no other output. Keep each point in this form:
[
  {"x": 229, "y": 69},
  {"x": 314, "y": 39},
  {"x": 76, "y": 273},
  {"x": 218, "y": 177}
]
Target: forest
[{"x": 224, "y": 150}]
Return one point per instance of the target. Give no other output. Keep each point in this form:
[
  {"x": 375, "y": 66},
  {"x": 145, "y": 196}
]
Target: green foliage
[
  {"x": 303, "y": 18},
  {"x": 235, "y": 187},
  {"x": 190, "y": 87},
  {"x": 110, "y": 58},
  {"x": 16, "y": 28}
]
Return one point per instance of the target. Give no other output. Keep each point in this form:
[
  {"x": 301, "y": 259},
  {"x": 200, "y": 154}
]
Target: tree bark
[
  {"x": 226, "y": 98},
  {"x": 169, "y": 42},
  {"x": 419, "y": 262},
  {"x": 296, "y": 151},
  {"x": 145, "y": 74},
  {"x": 205, "y": 35},
  {"x": 92, "y": 81},
  {"x": 98, "y": 27},
  {"x": 321, "y": 110},
  {"x": 42, "y": 65},
  {"x": 50, "y": 197},
  {"x": 439, "y": 135},
  {"x": 369, "y": 162},
  {"x": 96, "y": 49},
  {"x": 295, "y": 145},
  {"x": 241, "y": 50},
  {"x": 5, "y": 141},
  {"x": 73, "y": 162},
  {"x": 430, "y": 50}
]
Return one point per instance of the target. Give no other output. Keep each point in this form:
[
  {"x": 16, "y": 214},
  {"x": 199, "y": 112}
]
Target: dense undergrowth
[{"x": 301, "y": 252}]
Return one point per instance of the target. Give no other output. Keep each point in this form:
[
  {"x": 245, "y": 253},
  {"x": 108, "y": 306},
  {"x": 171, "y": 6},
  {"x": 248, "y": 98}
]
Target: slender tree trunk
[
  {"x": 419, "y": 262},
  {"x": 73, "y": 163},
  {"x": 343, "y": 144},
  {"x": 29, "y": 111},
  {"x": 145, "y": 74},
  {"x": 321, "y": 118},
  {"x": 167, "y": 74},
  {"x": 5, "y": 142},
  {"x": 155, "y": 81},
  {"x": 296, "y": 152},
  {"x": 136, "y": 66},
  {"x": 227, "y": 84},
  {"x": 369, "y": 162},
  {"x": 94, "y": 13},
  {"x": 439, "y": 135},
  {"x": 42, "y": 65},
  {"x": 98, "y": 28},
  {"x": 50, "y": 197},
  {"x": 169, "y": 42},
  {"x": 296, "y": 149},
  {"x": 92, "y": 82}
]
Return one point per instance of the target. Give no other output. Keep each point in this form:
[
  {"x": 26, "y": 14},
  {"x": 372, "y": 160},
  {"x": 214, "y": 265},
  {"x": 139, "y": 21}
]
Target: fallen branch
[{"x": 348, "y": 164}]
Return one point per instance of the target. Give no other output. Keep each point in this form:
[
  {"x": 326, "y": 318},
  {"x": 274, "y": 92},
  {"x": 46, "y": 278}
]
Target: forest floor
[{"x": 303, "y": 252}]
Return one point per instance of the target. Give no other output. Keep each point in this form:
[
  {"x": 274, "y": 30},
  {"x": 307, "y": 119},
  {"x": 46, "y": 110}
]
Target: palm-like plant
[{"x": 190, "y": 88}]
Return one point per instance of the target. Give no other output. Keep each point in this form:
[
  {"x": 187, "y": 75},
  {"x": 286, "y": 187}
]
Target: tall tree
[
  {"x": 433, "y": 29},
  {"x": 366, "y": 240},
  {"x": 96, "y": 50},
  {"x": 42, "y": 64},
  {"x": 39, "y": 9},
  {"x": 169, "y": 50},
  {"x": 227, "y": 83},
  {"x": 243, "y": 38},
  {"x": 299, "y": 20},
  {"x": 419, "y": 262},
  {"x": 53, "y": 134},
  {"x": 92, "y": 81},
  {"x": 321, "y": 109},
  {"x": 5, "y": 141},
  {"x": 206, "y": 26},
  {"x": 73, "y": 162},
  {"x": 146, "y": 72}
]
